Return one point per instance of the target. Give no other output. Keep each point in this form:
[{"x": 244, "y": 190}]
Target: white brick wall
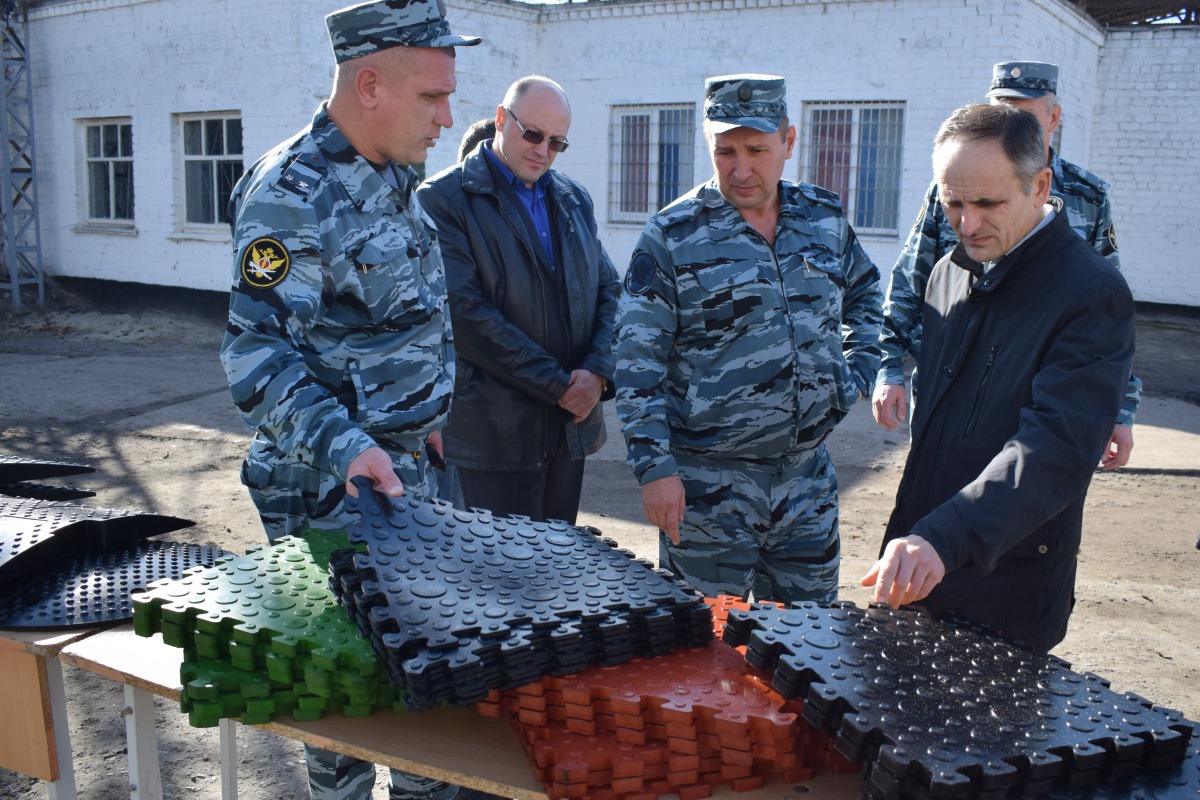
[
  {"x": 150, "y": 59},
  {"x": 1144, "y": 143}
]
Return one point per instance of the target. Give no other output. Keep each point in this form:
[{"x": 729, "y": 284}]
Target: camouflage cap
[
  {"x": 370, "y": 27},
  {"x": 744, "y": 101},
  {"x": 1023, "y": 79}
]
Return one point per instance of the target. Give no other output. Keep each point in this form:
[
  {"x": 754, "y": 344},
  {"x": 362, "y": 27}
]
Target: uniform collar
[
  {"x": 725, "y": 221},
  {"x": 366, "y": 188}
]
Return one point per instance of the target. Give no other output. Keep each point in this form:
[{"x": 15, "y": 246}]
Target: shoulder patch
[
  {"x": 265, "y": 263},
  {"x": 302, "y": 175},
  {"x": 678, "y": 211},
  {"x": 640, "y": 275},
  {"x": 820, "y": 195}
]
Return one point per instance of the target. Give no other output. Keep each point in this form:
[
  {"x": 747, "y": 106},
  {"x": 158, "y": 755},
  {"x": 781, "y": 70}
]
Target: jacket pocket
[
  {"x": 981, "y": 391},
  {"x": 732, "y": 296},
  {"x": 390, "y": 269}
]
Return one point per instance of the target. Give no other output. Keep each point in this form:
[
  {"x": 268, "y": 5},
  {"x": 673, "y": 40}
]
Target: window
[
  {"x": 854, "y": 149},
  {"x": 108, "y": 154},
  {"x": 212, "y": 164},
  {"x": 653, "y": 153}
]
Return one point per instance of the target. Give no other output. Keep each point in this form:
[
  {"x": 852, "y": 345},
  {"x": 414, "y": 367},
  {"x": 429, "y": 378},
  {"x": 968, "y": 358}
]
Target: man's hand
[
  {"x": 664, "y": 503},
  {"x": 582, "y": 394},
  {"x": 375, "y": 464},
  {"x": 1120, "y": 446},
  {"x": 890, "y": 405},
  {"x": 907, "y": 572}
]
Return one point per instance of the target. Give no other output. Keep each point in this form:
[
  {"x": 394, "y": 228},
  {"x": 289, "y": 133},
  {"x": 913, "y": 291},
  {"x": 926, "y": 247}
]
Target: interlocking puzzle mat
[
  {"x": 682, "y": 723},
  {"x": 939, "y": 710},
  {"x": 95, "y": 588},
  {"x": 35, "y": 535},
  {"x": 461, "y": 602},
  {"x": 264, "y": 635},
  {"x": 15, "y": 468},
  {"x": 42, "y": 491}
]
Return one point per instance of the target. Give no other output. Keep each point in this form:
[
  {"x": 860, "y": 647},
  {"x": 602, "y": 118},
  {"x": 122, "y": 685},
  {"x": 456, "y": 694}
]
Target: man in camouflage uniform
[
  {"x": 1030, "y": 85},
  {"x": 338, "y": 348},
  {"x": 732, "y": 364}
]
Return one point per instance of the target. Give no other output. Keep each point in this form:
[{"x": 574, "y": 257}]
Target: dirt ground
[{"x": 142, "y": 398}]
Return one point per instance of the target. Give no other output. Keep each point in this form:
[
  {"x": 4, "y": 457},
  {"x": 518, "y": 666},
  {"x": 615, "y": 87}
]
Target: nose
[
  {"x": 443, "y": 116},
  {"x": 969, "y": 221},
  {"x": 741, "y": 167}
]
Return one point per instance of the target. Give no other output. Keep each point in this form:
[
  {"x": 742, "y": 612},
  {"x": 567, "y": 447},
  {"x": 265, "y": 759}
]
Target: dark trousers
[{"x": 540, "y": 494}]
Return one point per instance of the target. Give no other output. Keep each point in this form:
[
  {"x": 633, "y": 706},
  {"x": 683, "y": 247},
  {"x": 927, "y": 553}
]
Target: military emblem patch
[
  {"x": 265, "y": 263},
  {"x": 640, "y": 276}
]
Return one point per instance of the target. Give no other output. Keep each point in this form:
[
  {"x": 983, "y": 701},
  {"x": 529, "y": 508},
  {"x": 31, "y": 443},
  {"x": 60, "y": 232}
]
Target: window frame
[
  {"x": 186, "y": 156},
  {"x": 890, "y": 164},
  {"x": 649, "y": 190},
  {"x": 87, "y": 162}
]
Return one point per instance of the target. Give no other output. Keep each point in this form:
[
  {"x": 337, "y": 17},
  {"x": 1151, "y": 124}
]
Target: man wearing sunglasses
[{"x": 533, "y": 297}]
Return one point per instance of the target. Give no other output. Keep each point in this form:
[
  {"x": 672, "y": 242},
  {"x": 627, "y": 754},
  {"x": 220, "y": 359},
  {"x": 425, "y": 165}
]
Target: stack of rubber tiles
[
  {"x": 264, "y": 636},
  {"x": 938, "y": 710},
  {"x": 457, "y": 603},
  {"x": 681, "y": 724},
  {"x": 65, "y": 566}
]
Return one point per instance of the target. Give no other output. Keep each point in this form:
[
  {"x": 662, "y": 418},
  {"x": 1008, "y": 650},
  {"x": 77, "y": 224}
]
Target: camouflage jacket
[
  {"x": 1085, "y": 202},
  {"x": 338, "y": 335},
  {"x": 729, "y": 348}
]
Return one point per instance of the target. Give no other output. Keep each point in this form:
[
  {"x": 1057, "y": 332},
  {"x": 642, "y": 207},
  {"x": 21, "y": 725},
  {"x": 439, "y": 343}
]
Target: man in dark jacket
[
  {"x": 532, "y": 302},
  {"x": 1029, "y": 338}
]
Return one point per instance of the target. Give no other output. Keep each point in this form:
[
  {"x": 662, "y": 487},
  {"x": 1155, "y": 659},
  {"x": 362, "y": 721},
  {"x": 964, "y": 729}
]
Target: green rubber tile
[{"x": 256, "y": 626}]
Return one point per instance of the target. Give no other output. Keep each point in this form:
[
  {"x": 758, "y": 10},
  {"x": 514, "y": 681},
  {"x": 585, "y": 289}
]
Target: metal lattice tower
[{"x": 21, "y": 247}]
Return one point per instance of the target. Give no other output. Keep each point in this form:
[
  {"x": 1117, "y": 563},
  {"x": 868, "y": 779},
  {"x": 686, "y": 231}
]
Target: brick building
[{"x": 146, "y": 110}]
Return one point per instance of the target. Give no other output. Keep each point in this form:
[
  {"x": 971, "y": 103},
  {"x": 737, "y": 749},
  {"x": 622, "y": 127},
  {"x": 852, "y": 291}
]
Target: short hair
[
  {"x": 1017, "y": 131},
  {"x": 479, "y": 131}
]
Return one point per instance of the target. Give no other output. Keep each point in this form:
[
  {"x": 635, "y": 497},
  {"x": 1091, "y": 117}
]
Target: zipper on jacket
[{"x": 983, "y": 386}]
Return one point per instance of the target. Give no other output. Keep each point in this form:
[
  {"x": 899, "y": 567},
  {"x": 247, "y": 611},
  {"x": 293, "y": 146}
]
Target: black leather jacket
[{"x": 507, "y": 385}]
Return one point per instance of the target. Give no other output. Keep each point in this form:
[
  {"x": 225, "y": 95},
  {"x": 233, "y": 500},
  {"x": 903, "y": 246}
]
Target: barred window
[
  {"x": 212, "y": 164},
  {"x": 855, "y": 149},
  {"x": 108, "y": 155},
  {"x": 652, "y": 159}
]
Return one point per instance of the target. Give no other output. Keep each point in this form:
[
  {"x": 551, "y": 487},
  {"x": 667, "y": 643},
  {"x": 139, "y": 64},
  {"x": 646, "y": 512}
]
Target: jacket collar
[
  {"x": 477, "y": 176},
  {"x": 366, "y": 188},
  {"x": 1013, "y": 259}
]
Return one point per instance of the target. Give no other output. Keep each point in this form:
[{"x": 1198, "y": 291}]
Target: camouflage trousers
[
  {"x": 292, "y": 497},
  {"x": 767, "y": 530},
  {"x": 333, "y": 776}
]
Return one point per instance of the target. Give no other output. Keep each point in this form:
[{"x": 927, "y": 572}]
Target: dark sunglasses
[{"x": 533, "y": 137}]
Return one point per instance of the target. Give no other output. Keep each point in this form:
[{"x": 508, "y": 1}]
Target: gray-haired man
[{"x": 1032, "y": 86}]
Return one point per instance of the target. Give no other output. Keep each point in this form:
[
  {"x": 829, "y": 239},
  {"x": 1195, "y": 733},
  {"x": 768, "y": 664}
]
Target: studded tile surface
[
  {"x": 458, "y": 602},
  {"x": 17, "y": 468},
  {"x": 94, "y": 588},
  {"x": 36, "y": 534},
  {"x": 269, "y": 618},
  {"x": 937, "y": 710},
  {"x": 682, "y": 723}
]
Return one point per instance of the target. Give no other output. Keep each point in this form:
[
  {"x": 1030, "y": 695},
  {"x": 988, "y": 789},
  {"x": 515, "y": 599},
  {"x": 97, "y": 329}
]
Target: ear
[
  {"x": 789, "y": 141},
  {"x": 1055, "y": 118},
  {"x": 501, "y": 115},
  {"x": 1041, "y": 185},
  {"x": 366, "y": 86}
]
